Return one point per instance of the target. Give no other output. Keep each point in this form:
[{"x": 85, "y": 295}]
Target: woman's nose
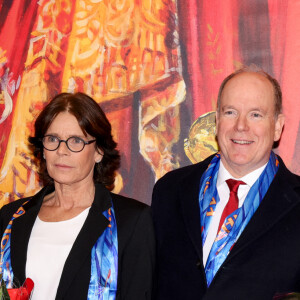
[{"x": 62, "y": 148}]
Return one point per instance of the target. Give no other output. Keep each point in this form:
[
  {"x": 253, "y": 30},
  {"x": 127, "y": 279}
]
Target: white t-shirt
[
  {"x": 48, "y": 248},
  {"x": 223, "y": 192}
]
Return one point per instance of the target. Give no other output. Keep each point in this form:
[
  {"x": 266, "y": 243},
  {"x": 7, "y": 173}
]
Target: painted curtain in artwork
[
  {"x": 154, "y": 67},
  {"x": 124, "y": 54},
  {"x": 218, "y": 37}
]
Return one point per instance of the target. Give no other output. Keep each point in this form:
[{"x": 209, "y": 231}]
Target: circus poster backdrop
[{"x": 154, "y": 66}]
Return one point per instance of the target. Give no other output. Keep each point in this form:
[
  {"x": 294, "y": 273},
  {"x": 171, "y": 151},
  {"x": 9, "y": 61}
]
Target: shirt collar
[{"x": 249, "y": 179}]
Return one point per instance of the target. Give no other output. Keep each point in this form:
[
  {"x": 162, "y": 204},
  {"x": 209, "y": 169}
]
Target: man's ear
[
  {"x": 279, "y": 123},
  {"x": 217, "y": 122}
]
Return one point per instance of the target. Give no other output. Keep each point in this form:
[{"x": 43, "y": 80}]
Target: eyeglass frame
[{"x": 66, "y": 142}]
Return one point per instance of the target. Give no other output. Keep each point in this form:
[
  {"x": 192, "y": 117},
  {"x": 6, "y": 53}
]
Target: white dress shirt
[{"x": 223, "y": 191}]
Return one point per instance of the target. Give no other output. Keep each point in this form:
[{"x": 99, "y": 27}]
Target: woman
[{"x": 75, "y": 239}]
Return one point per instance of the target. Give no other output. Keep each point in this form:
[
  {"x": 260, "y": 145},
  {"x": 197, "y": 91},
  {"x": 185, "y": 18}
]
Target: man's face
[{"x": 246, "y": 123}]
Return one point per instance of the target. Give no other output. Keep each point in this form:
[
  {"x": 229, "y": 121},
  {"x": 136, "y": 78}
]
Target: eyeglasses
[{"x": 74, "y": 143}]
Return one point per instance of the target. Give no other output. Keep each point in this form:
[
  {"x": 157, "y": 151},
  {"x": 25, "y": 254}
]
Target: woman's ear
[{"x": 98, "y": 155}]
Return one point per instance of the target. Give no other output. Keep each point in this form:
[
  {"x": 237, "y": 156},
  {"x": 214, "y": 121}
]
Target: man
[{"x": 226, "y": 239}]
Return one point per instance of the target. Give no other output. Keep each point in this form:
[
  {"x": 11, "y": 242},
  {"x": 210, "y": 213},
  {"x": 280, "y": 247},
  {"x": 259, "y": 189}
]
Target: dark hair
[
  {"x": 254, "y": 69},
  {"x": 92, "y": 121}
]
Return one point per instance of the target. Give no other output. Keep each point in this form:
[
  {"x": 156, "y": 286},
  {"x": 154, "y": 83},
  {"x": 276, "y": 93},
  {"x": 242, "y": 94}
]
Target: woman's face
[{"x": 63, "y": 165}]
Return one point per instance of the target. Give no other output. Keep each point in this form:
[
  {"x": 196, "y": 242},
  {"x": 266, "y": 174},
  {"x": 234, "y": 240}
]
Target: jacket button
[{"x": 199, "y": 264}]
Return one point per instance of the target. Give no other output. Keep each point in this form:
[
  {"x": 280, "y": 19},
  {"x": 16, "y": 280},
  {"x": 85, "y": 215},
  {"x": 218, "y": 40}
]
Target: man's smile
[{"x": 242, "y": 142}]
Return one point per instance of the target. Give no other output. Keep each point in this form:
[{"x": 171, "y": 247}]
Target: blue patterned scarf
[
  {"x": 104, "y": 259},
  {"x": 5, "y": 262},
  {"x": 208, "y": 200}
]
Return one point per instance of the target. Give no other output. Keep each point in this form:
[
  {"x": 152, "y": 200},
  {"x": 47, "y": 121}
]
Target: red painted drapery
[{"x": 219, "y": 36}]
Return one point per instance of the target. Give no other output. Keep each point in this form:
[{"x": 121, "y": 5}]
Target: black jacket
[
  {"x": 135, "y": 244},
  {"x": 265, "y": 259}
]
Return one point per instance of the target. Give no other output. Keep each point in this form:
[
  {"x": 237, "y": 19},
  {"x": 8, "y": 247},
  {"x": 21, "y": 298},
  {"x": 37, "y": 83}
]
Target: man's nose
[{"x": 242, "y": 123}]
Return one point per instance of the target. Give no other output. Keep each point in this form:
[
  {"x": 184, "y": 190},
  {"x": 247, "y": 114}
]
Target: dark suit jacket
[
  {"x": 265, "y": 259},
  {"x": 135, "y": 245}
]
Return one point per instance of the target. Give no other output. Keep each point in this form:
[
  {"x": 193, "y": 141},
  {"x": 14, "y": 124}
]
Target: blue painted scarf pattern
[
  {"x": 229, "y": 233},
  {"x": 104, "y": 259}
]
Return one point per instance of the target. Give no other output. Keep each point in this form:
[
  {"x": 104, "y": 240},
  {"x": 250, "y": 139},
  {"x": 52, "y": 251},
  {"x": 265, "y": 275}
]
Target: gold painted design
[
  {"x": 201, "y": 141},
  {"x": 120, "y": 53}
]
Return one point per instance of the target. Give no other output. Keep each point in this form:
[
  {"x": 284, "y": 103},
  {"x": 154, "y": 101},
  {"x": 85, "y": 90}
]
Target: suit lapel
[
  {"x": 92, "y": 229},
  {"x": 280, "y": 199},
  {"x": 189, "y": 198}
]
